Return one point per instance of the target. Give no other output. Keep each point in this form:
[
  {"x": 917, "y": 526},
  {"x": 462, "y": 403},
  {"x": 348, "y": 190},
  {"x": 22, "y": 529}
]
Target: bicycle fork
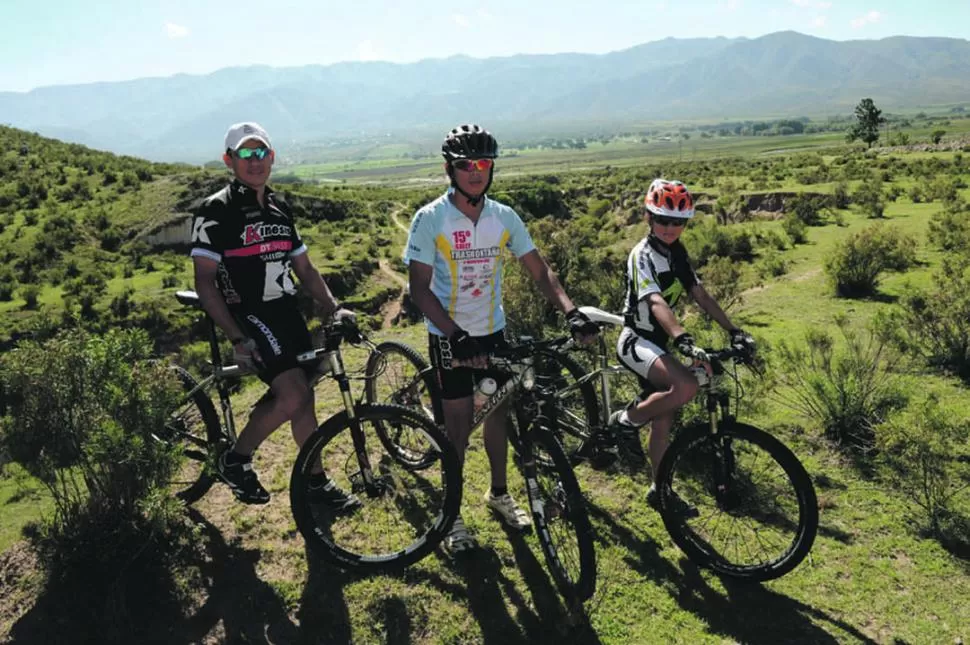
[{"x": 363, "y": 480}]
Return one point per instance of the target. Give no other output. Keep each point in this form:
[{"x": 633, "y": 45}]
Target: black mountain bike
[
  {"x": 407, "y": 509},
  {"x": 399, "y": 374},
  {"x": 757, "y": 512}
]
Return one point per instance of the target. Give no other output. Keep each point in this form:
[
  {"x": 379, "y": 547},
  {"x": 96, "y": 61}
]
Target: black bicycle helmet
[{"x": 469, "y": 142}]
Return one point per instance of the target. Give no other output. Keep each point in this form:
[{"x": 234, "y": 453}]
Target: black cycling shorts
[
  {"x": 459, "y": 382},
  {"x": 281, "y": 335}
]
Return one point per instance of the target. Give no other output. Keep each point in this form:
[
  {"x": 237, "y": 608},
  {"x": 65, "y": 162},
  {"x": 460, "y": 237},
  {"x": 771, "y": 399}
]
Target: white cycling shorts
[{"x": 637, "y": 354}]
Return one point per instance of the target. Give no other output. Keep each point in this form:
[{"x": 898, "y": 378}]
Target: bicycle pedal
[{"x": 357, "y": 482}]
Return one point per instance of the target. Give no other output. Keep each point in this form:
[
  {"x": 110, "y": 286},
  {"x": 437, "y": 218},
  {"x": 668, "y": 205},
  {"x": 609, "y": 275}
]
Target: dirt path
[
  {"x": 397, "y": 222},
  {"x": 391, "y": 309},
  {"x": 801, "y": 277}
]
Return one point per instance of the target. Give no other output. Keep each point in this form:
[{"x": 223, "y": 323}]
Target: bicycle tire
[
  {"x": 422, "y": 508},
  {"x": 578, "y": 410},
  {"x": 396, "y": 374},
  {"x": 560, "y": 518},
  {"x": 195, "y": 427},
  {"x": 748, "y": 528}
]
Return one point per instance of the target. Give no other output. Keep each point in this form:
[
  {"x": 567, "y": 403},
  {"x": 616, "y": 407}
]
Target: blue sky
[{"x": 56, "y": 42}]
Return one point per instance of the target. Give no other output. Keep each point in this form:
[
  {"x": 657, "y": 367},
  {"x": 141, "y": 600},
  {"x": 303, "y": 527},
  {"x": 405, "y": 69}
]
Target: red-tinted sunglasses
[
  {"x": 467, "y": 165},
  {"x": 669, "y": 221}
]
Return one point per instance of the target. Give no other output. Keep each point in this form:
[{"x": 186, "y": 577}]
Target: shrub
[
  {"x": 772, "y": 265},
  {"x": 918, "y": 456},
  {"x": 950, "y": 231},
  {"x": 869, "y": 197},
  {"x": 82, "y": 412},
  {"x": 707, "y": 239},
  {"x": 722, "y": 279},
  {"x": 841, "y": 195},
  {"x": 806, "y": 208},
  {"x": 932, "y": 324},
  {"x": 856, "y": 263},
  {"x": 795, "y": 228},
  {"x": 847, "y": 390},
  {"x": 915, "y": 193},
  {"x": 30, "y": 293}
]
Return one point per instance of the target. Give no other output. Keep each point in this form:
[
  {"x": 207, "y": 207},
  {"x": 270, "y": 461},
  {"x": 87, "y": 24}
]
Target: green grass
[{"x": 869, "y": 579}]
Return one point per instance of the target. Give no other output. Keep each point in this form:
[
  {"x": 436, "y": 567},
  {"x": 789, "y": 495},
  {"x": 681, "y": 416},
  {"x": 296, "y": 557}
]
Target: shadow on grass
[
  {"x": 748, "y": 613},
  {"x": 148, "y": 600}
]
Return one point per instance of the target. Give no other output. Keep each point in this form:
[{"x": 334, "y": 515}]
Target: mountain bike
[
  {"x": 557, "y": 504},
  {"x": 757, "y": 512},
  {"x": 406, "y": 511}
]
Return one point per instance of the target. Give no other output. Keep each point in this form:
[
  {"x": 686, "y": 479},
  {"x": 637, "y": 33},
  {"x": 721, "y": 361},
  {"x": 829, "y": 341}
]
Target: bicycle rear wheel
[
  {"x": 397, "y": 374},
  {"x": 578, "y": 408},
  {"x": 560, "y": 518},
  {"x": 405, "y": 512},
  {"x": 194, "y": 427},
  {"x": 757, "y": 510}
]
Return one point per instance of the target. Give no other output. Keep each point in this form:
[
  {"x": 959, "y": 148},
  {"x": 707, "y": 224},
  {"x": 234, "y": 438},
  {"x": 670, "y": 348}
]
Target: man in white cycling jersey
[{"x": 455, "y": 254}]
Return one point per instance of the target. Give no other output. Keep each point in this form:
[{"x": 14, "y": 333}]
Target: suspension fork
[{"x": 365, "y": 478}]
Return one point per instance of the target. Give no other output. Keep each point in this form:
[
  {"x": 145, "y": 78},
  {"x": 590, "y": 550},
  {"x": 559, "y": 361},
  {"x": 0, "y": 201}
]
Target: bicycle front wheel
[
  {"x": 194, "y": 427},
  {"x": 578, "y": 408},
  {"x": 405, "y": 513},
  {"x": 560, "y": 518},
  {"x": 397, "y": 374},
  {"x": 757, "y": 513}
]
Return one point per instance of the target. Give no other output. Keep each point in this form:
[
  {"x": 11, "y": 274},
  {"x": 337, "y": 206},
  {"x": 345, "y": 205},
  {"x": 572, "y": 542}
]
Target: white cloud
[
  {"x": 367, "y": 51},
  {"x": 176, "y": 31},
  {"x": 460, "y": 19},
  {"x": 867, "y": 19},
  {"x": 484, "y": 15},
  {"x": 819, "y": 21},
  {"x": 812, "y": 4},
  {"x": 733, "y": 5}
]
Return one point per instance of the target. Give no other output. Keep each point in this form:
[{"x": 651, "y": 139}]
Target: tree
[
  {"x": 868, "y": 119},
  {"x": 937, "y": 135}
]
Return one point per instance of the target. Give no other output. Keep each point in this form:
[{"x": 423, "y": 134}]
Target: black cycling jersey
[
  {"x": 655, "y": 267},
  {"x": 253, "y": 244}
]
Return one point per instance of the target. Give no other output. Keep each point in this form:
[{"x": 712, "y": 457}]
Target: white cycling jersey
[{"x": 466, "y": 259}]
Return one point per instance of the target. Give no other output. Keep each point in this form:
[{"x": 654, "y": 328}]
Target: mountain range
[{"x": 182, "y": 117}]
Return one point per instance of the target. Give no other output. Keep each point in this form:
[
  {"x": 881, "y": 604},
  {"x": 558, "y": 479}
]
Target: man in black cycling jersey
[
  {"x": 658, "y": 274},
  {"x": 244, "y": 244},
  {"x": 455, "y": 256}
]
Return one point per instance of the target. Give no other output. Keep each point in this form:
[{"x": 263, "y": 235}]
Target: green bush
[
  {"x": 854, "y": 267},
  {"x": 795, "y": 228},
  {"x": 706, "y": 238},
  {"x": 950, "y": 231},
  {"x": 772, "y": 265},
  {"x": 847, "y": 388},
  {"x": 841, "y": 195},
  {"x": 81, "y": 414},
  {"x": 869, "y": 198},
  {"x": 932, "y": 324},
  {"x": 919, "y": 456}
]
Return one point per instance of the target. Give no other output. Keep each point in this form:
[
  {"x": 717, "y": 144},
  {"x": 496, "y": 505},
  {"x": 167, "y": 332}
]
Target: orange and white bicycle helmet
[{"x": 669, "y": 199}]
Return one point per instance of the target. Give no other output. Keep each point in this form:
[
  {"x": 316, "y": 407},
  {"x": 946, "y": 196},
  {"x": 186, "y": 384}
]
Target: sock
[{"x": 499, "y": 491}]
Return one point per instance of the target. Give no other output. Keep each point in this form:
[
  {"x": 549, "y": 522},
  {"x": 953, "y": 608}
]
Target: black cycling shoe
[
  {"x": 242, "y": 480},
  {"x": 627, "y": 441},
  {"x": 680, "y": 507},
  {"x": 323, "y": 490}
]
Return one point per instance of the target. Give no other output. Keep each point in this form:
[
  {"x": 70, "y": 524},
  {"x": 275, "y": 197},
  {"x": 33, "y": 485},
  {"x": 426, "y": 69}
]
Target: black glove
[
  {"x": 580, "y": 324},
  {"x": 685, "y": 345},
  {"x": 463, "y": 346},
  {"x": 742, "y": 340}
]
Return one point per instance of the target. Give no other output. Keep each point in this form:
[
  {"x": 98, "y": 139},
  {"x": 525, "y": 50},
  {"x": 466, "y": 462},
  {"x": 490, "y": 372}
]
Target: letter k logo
[{"x": 199, "y": 233}]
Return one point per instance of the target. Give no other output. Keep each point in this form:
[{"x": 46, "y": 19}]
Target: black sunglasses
[{"x": 669, "y": 221}]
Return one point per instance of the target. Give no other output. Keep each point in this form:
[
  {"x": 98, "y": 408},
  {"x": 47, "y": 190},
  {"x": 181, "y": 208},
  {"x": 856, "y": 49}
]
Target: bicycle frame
[{"x": 332, "y": 366}]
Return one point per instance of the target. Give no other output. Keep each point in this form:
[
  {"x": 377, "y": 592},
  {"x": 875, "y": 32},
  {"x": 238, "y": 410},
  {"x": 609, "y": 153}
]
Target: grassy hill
[{"x": 875, "y": 575}]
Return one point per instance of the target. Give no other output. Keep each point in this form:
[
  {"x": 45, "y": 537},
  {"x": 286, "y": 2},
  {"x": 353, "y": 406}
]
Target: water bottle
[{"x": 486, "y": 388}]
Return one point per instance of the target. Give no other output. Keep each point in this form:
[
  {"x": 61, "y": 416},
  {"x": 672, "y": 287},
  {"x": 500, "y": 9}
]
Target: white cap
[{"x": 240, "y": 133}]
